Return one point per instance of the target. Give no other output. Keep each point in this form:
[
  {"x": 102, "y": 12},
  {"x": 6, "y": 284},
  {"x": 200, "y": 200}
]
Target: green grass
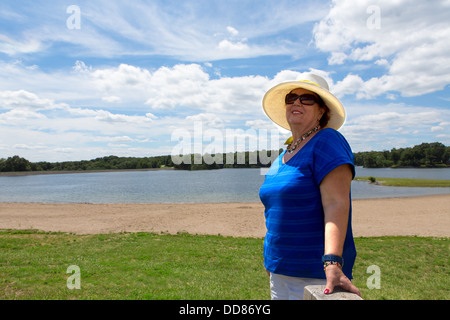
[
  {"x": 412, "y": 268},
  {"x": 403, "y": 182},
  {"x": 33, "y": 265}
]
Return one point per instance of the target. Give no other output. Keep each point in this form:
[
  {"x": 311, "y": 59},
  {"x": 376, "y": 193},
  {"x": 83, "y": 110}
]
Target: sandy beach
[{"x": 420, "y": 216}]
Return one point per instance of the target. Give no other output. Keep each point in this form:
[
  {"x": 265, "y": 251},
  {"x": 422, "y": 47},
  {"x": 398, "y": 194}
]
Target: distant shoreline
[
  {"x": 24, "y": 173},
  {"x": 30, "y": 173},
  {"x": 406, "y": 182}
]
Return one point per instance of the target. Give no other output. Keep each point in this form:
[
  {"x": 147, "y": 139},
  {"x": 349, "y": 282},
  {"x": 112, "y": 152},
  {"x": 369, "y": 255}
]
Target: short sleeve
[{"x": 331, "y": 150}]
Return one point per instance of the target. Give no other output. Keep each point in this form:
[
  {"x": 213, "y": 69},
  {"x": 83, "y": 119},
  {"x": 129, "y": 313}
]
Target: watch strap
[{"x": 333, "y": 258}]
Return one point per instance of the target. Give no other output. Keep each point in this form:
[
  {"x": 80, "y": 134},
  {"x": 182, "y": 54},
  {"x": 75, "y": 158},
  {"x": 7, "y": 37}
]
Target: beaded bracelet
[{"x": 329, "y": 263}]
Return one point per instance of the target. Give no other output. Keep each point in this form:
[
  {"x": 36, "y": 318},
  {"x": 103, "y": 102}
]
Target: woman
[{"x": 306, "y": 192}]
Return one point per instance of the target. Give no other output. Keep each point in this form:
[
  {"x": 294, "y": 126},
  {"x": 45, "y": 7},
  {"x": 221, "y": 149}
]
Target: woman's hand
[{"x": 336, "y": 278}]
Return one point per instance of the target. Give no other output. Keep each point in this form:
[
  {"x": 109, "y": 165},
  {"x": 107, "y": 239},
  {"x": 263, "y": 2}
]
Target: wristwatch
[{"x": 332, "y": 257}]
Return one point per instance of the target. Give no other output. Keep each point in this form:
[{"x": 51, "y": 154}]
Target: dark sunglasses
[{"x": 306, "y": 99}]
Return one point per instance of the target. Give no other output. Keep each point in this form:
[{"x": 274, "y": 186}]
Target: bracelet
[
  {"x": 329, "y": 263},
  {"x": 332, "y": 257}
]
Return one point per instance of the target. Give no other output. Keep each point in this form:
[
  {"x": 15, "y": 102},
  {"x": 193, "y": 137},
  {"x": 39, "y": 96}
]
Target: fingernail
[{"x": 326, "y": 291}]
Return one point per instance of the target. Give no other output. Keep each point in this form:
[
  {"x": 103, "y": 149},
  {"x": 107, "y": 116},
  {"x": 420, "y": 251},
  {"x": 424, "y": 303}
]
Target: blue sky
[{"x": 86, "y": 79}]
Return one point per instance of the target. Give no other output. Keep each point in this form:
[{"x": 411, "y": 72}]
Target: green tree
[{"x": 15, "y": 163}]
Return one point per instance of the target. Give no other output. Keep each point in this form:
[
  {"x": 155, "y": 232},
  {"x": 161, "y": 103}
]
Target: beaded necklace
[{"x": 306, "y": 135}]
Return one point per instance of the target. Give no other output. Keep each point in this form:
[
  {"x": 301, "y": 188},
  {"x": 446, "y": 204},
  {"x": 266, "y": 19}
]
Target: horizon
[
  {"x": 83, "y": 79},
  {"x": 202, "y": 155}
]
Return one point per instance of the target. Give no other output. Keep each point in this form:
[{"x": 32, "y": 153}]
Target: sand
[{"x": 419, "y": 216}]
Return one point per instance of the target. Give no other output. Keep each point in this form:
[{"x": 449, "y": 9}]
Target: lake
[{"x": 177, "y": 186}]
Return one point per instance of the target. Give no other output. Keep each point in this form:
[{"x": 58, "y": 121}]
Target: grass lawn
[
  {"x": 403, "y": 182},
  {"x": 33, "y": 265}
]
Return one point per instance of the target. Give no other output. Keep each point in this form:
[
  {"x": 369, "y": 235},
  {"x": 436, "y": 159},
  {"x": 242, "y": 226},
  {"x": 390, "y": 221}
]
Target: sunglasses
[{"x": 306, "y": 99}]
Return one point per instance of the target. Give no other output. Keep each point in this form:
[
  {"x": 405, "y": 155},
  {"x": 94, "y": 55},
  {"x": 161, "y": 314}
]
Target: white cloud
[
  {"x": 411, "y": 41},
  {"x": 132, "y": 110},
  {"x": 208, "y": 119},
  {"x": 111, "y": 99},
  {"x": 350, "y": 85},
  {"x": 232, "y": 31},
  {"x": 27, "y": 147},
  {"x": 13, "y": 47},
  {"x": 18, "y": 115},
  {"x": 436, "y": 129},
  {"x": 22, "y": 99},
  {"x": 123, "y": 76},
  {"x": 226, "y": 45},
  {"x": 131, "y": 88},
  {"x": 131, "y": 103},
  {"x": 115, "y": 139},
  {"x": 392, "y": 125},
  {"x": 337, "y": 58},
  {"x": 260, "y": 124},
  {"x": 107, "y": 116}
]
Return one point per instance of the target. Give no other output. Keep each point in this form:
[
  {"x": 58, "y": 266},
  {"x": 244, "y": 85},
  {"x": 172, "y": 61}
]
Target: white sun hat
[{"x": 274, "y": 100}]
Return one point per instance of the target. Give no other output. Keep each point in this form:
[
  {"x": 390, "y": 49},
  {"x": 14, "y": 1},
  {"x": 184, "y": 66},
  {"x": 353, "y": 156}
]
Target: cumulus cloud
[
  {"x": 126, "y": 108},
  {"x": 410, "y": 40},
  {"x": 393, "y": 125},
  {"x": 22, "y": 99},
  {"x": 134, "y": 89},
  {"x": 227, "y": 45},
  {"x": 17, "y": 115}
]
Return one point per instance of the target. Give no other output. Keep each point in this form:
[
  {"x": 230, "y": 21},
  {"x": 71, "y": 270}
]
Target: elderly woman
[{"x": 306, "y": 192}]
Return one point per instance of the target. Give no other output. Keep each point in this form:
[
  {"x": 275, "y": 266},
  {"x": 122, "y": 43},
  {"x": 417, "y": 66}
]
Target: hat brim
[{"x": 274, "y": 104}]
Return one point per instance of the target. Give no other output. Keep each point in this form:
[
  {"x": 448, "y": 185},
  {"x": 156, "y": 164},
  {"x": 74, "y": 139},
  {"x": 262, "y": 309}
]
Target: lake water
[{"x": 177, "y": 186}]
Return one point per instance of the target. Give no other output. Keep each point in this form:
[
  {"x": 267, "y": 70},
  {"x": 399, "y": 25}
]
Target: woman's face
[{"x": 303, "y": 116}]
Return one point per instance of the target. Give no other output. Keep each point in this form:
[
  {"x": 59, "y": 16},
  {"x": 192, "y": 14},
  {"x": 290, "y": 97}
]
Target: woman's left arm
[{"x": 335, "y": 190}]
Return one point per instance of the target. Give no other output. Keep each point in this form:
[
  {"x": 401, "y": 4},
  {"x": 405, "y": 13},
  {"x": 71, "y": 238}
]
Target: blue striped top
[{"x": 294, "y": 242}]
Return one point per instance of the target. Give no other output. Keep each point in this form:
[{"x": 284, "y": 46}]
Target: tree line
[
  {"x": 425, "y": 155},
  {"x": 17, "y": 163},
  {"x": 189, "y": 162}
]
